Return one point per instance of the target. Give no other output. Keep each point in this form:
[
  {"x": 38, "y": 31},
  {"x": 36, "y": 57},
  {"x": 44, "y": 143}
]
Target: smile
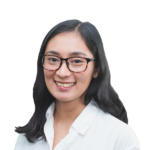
[{"x": 64, "y": 86}]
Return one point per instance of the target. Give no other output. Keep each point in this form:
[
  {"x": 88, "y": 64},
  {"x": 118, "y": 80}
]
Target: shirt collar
[{"x": 84, "y": 120}]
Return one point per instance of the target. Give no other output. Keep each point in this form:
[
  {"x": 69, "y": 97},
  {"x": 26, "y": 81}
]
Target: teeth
[{"x": 65, "y": 84}]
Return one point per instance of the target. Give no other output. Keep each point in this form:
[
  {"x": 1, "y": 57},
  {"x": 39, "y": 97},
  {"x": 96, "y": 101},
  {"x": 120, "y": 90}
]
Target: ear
[
  {"x": 95, "y": 73},
  {"x": 96, "y": 70}
]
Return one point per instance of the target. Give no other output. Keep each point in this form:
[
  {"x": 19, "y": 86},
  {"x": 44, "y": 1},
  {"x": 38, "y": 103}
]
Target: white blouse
[{"x": 93, "y": 129}]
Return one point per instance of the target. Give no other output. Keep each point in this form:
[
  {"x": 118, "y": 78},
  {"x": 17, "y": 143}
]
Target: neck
[{"x": 67, "y": 112}]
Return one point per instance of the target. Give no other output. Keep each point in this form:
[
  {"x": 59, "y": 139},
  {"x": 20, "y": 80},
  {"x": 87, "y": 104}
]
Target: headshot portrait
[{"x": 76, "y": 107}]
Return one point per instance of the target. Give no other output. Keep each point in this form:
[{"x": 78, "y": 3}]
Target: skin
[{"x": 69, "y": 103}]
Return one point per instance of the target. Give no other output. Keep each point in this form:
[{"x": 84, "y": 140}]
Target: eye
[
  {"x": 53, "y": 59},
  {"x": 77, "y": 61}
]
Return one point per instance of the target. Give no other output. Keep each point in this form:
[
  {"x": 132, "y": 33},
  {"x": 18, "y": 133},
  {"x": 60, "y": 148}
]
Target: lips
[{"x": 64, "y": 82}]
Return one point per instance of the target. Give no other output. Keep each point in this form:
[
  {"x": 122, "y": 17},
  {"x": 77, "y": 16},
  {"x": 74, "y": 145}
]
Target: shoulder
[
  {"x": 21, "y": 141},
  {"x": 117, "y": 131},
  {"x": 109, "y": 121},
  {"x": 127, "y": 138},
  {"x": 23, "y": 144},
  {"x": 21, "y": 138}
]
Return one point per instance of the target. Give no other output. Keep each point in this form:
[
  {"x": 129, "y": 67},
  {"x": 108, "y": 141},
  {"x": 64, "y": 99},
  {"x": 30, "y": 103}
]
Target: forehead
[{"x": 67, "y": 43}]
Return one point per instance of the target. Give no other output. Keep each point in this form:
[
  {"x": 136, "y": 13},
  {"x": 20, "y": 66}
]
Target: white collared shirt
[{"x": 93, "y": 129}]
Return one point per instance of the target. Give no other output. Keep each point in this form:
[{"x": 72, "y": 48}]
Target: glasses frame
[{"x": 66, "y": 59}]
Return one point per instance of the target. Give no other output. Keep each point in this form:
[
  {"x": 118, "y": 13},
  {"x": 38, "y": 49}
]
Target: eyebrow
[{"x": 73, "y": 53}]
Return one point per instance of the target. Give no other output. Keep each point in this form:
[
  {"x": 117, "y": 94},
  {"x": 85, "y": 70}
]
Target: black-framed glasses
[{"x": 74, "y": 64}]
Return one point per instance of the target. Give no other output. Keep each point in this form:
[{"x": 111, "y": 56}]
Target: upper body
[
  {"x": 93, "y": 129},
  {"x": 73, "y": 71}
]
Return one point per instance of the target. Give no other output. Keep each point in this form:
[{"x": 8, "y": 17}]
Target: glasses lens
[
  {"x": 76, "y": 64},
  {"x": 51, "y": 62}
]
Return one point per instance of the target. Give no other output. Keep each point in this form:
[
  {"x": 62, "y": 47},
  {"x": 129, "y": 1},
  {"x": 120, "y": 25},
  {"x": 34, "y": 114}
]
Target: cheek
[
  {"x": 48, "y": 73},
  {"x": 84, "y": 78},
  {"x": 87, "y": 75}
]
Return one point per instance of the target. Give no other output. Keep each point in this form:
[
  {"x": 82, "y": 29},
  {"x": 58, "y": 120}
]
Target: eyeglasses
[{"x": 74, "y": 64}]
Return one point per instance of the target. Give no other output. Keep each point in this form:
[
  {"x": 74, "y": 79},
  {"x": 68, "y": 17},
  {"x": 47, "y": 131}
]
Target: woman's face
[{"x": 64, "y": 45}]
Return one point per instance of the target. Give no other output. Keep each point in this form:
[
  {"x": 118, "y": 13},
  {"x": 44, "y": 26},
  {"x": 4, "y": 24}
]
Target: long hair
[{"x": 100, "y": 88}]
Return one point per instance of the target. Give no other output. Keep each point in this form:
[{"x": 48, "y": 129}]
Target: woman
[{"x": 76, "y": 107}]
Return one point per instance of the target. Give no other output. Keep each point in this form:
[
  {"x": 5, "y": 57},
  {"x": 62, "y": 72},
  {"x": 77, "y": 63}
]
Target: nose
[{"x": 63, "y": 71}]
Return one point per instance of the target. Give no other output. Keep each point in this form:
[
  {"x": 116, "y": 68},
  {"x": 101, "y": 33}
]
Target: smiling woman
[{"x": 75, "y": 104}]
